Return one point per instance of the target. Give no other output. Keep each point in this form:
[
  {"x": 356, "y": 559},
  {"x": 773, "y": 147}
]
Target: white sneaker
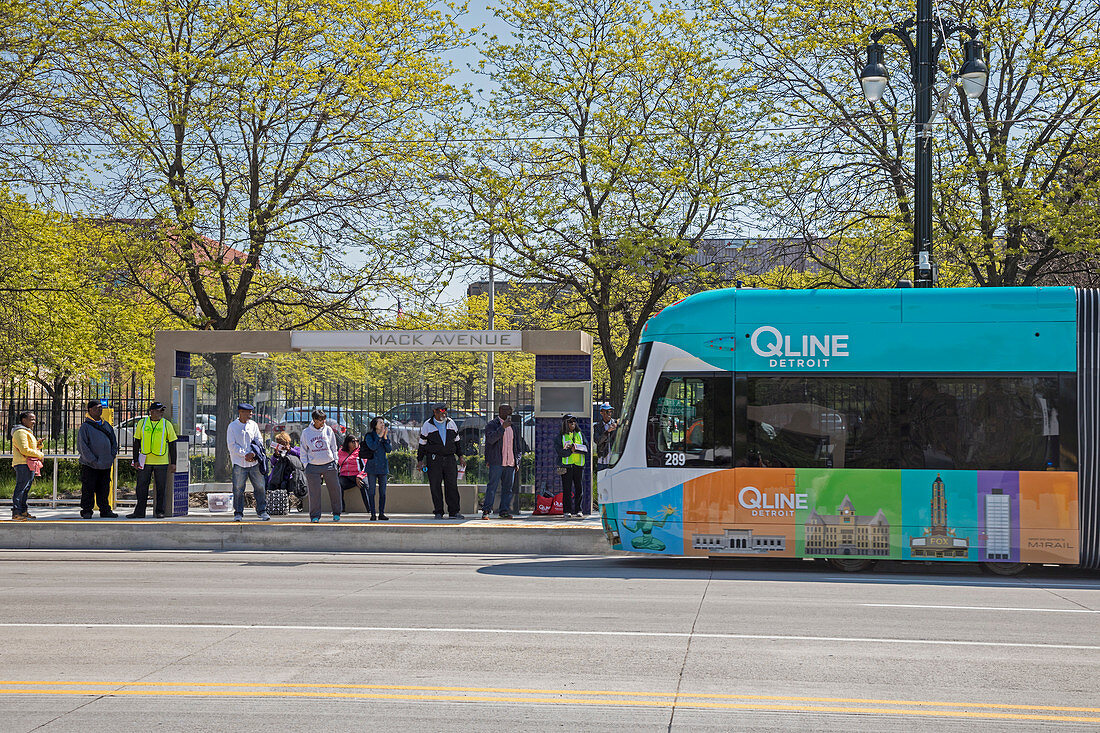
[{"x": 265, "y": 517}]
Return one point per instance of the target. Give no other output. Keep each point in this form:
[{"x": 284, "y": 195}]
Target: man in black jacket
[
  {"x": 98, "y": 446},
  {"x": 438, "y": 449}
]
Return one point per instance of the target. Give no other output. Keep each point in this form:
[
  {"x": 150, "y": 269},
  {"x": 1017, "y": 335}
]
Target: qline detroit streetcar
[{"x": 854, "y": 426}]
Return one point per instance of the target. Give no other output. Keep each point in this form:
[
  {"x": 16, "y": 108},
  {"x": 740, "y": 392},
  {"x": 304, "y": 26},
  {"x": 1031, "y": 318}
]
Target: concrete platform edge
[{"x": 66, "y": 535}]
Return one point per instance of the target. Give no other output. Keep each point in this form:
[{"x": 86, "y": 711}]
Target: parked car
[
  {"x": 406, "y": 419},
  {"x": 206, "y": 429},
  {"x": 296, "y": 419}
]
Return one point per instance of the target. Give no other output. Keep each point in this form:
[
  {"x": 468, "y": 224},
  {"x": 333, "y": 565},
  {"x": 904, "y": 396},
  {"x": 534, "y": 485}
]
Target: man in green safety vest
[{"x": 154, "y": 459}]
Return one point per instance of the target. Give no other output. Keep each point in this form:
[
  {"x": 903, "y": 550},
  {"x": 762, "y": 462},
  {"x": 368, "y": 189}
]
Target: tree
[
  {"x": 842, "y": 177},
  {"x": 66, "y": 317},
  {"x": 615, "y": 153},
  {"x": 264, "y": 139}
]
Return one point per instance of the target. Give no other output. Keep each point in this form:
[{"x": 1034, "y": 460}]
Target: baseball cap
[
  {"x": 605, "y": 406},
  {"x": 439, "y": 406},
  {"x": 156, "y": 406},
  {"x": 245, "y": 406}
]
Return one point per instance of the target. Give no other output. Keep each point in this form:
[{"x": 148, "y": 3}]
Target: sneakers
[
  {"x": 135, "y": 515},
  {"x": 458, "y": 515},
  {"x": 439, "y": 516},
  {"x": 315, "y": 519},
  {"x": 506, "y": 515},
  {"x": 383, "y": 518},
  {"x": 238, "y": 517},
  {"x": 20, "y": 517},
  {"x": 576, "y": 515},
  {"x": 374, "y": 517},
  {"x": 27, "y": 516},
  {"x": 85, "y": 514},
  {"x": 265, "y": 517},
  {"x": 336, "y": 517},
  {"x": 485, "y": 515},
  {"x": 108, "y": 515}
]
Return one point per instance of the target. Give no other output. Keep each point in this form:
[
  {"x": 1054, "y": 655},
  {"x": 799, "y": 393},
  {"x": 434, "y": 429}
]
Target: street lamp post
[{"x": 924, "y": 58}]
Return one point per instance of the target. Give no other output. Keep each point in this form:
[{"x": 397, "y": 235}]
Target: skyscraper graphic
[
  {"x": 998, "y": 525},
  {"x": 939, "y": 540}
]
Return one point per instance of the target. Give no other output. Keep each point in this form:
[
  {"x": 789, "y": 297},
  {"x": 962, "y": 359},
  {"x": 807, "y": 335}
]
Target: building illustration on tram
[{"x": 930, "y": 424}]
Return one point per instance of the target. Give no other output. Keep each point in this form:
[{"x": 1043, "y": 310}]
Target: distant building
[
  {"x": 939, "y": 540},
  {"x": 739, "y": 542},
  {"x": 739, "y": 258},
  {"x": 847, "y": 533}
]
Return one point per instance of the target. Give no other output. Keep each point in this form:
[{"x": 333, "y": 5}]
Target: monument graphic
[
  {"x": 939, "y": 540},
  {"x": 847, "y": 533}
]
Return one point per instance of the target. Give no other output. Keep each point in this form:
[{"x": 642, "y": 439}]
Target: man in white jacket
[{"x": 244, "y": 440}]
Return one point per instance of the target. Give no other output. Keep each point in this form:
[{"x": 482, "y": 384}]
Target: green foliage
[{"x": 1014, "y": 172}]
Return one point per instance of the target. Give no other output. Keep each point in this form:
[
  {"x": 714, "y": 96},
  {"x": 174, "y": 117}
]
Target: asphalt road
[{"x": 163, "y": 641}]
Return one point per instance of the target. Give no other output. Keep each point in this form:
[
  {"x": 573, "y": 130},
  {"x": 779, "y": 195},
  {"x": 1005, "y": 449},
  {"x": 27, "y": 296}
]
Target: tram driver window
[{"x": 690, "y": 422}]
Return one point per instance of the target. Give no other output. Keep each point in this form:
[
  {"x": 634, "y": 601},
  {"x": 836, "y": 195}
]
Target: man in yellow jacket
[
  {"x": 24, "y": 445},
  {"x": 154, "y": 459}
]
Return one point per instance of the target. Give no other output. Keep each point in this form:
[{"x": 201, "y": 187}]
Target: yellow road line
[
  {"x": 558, "y": 701},
  {"x": 609, "y": 693}
]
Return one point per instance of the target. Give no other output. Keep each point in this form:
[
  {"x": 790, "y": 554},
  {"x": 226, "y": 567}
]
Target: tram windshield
[{"x": 629, "y": 404}]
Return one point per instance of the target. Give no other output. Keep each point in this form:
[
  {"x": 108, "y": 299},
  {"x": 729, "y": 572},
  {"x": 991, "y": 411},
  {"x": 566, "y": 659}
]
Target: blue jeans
[
  {"x": 505, "y": 476},
  {"x": 368, "y": 492},
  {"x": 23, "y": 480},
  {"x": 259, "y": 488}
]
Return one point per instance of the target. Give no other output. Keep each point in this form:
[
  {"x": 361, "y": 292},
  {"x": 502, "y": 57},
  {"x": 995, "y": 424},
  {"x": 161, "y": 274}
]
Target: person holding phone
[
  {"x": 376, "y": 444},
  {"x": 503, "y": 448},
  {"x": 573, "y": 453}
]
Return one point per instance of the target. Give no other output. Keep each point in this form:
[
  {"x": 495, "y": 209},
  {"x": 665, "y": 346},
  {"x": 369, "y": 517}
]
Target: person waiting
[
  {"x": 350, "y": 466},
  {"x": 503, "y": 448},
  {"x": 572, "y": 450},
  {"x": 155, "y": 460},
  {"x": 437, "y": 450},
  {"x": 319, "y": 454},
  {"x": 376, "y": 467}
]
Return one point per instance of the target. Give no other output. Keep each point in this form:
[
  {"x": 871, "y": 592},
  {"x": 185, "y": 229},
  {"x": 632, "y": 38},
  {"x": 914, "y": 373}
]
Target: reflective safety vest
[
  {"x": 154, "y": 437},
  {"x": 577, "y": 458}
]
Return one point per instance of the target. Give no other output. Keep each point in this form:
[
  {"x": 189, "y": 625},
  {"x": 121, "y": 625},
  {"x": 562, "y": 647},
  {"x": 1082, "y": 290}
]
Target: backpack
[{"x": 364, "y": 452}]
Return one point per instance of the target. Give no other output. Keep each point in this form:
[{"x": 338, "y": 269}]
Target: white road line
[
  {"x": 546, "y": 632},
  {"x": 981, "y": 608}
]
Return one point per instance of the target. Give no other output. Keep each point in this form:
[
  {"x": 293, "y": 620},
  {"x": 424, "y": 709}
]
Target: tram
[{"x": 864, "y": 425}]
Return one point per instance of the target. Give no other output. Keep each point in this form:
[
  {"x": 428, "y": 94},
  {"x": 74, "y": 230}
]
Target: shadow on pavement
[{"x": 800, "y": 571}]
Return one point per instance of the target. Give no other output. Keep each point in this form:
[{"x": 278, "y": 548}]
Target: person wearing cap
[
  {"x": 503, "y": 448},
  {"x": 572, "y": 450},
  {"x": 602, "y": 435},
  {"x": 97, "y": 445},
  {"x": 246, "y": 448},
  {"x": 438, "y": 448},
  {"x": 155, "y": 459}
]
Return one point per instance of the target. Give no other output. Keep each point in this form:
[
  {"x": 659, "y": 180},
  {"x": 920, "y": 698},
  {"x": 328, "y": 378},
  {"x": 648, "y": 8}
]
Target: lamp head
[
  {"x": 874, "y": 77},
  {"x": 974, "y": 73}
]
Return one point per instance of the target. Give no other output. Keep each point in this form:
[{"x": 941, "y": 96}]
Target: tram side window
[
  {"x": 816, "y": 422},
  {"x": 691, "y": 421},
  {"x": 1018, "y": 423}
]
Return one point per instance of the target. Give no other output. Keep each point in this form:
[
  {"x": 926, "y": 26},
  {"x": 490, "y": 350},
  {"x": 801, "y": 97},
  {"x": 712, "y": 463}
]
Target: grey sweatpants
[{"x": 335, "y": 495}]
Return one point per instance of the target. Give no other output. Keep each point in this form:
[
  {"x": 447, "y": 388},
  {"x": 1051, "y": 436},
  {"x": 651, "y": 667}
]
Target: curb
[{"x": 328, "y": 538}]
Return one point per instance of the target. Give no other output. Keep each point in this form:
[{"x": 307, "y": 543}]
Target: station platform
[{"x": 63, "y": 529}]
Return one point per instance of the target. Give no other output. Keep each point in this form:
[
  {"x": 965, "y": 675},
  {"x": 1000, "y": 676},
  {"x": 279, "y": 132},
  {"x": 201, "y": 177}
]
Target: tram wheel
[
  {"x": 1004, "y": 568},
  {"x": 850, "y": 566}
]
